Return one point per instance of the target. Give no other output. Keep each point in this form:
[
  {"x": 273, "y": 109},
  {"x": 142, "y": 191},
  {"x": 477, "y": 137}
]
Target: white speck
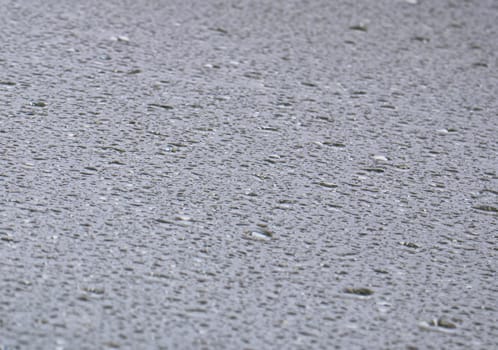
[
  {"x": 380, "y": 158},
  {"x": 259, "y": 235},
  {"x": 183, "y": 218},
  {"x": 123, "y": 38}
]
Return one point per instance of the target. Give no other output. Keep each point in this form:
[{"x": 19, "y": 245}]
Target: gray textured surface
[{"x": 142, "y": 142}]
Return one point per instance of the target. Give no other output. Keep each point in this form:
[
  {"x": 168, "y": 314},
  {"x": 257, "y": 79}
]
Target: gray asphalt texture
[{"x": 248, "y": 174}]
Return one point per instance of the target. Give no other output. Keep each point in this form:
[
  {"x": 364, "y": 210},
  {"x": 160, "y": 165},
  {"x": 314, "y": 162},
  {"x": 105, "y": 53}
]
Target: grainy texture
[{"x": 248, "y": 174}]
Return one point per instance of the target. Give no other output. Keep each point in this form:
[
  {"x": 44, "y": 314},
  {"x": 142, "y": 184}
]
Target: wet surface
[{"x": 248, "y": 174}]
